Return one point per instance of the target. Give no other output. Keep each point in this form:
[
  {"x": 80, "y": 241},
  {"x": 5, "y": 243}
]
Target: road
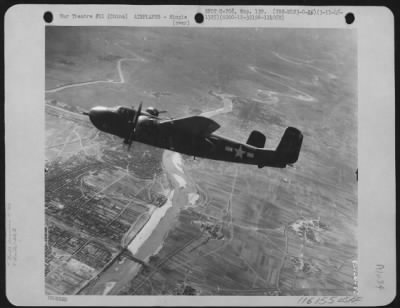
[
  {"x": 88, "y": 83},
  {"x": 227, "y": 101}
]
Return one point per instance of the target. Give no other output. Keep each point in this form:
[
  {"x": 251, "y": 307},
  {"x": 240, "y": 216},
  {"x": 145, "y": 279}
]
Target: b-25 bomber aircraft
[{"x": 194, "y": 136}]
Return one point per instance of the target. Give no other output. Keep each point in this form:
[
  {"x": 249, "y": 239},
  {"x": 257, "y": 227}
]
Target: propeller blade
[
  {"x": 134, "y": 123},
  {"x": 137, "y": 114}
]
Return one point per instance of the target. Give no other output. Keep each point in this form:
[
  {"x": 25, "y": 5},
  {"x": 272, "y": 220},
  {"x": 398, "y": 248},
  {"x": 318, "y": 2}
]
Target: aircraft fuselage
[{"x": 211, "y": 146}]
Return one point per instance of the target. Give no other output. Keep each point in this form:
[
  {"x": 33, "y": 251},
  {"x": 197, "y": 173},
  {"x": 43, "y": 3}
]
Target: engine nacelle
[
  {"x": 146, "y": 127},
  {"x": 145, "y": 121},
  {"x": 153, "y": 111}
]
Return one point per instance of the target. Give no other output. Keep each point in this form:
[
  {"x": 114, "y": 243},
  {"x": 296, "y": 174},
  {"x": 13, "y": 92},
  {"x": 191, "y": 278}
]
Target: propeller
[
  {"x": 155, "y": 117},
  {"x": 153, "y": 112},
  {"x": 133, "y": 123},
  {"x": 166, "y": 117}
]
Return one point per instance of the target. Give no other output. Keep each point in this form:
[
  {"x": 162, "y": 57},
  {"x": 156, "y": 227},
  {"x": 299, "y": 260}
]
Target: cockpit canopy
[
  {"x": 122, "y": 110},
  {"x": 128, "y": 113},
  {"x": 125, "y": 112}
]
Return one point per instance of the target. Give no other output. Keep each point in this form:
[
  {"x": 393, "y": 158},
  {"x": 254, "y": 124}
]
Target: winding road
[
  {"x": 87, "y": 83},
  {"x": 226, "y": 100}
]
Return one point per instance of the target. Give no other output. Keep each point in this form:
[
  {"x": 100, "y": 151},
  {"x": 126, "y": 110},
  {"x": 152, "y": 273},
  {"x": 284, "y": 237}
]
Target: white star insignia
[{"x": 239, "y": 152}]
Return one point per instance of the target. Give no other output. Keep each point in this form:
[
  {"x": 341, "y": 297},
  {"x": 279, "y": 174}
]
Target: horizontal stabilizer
[
  {"x": 256, "y": 139},
  {"x": 195, "y": 125}
]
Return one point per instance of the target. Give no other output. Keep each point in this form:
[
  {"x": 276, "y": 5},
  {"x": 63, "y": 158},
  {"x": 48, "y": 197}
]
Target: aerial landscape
[{"x": 148, "y": 221}]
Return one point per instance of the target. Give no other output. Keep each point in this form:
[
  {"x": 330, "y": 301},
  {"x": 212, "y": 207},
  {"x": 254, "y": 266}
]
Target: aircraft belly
[
  {"x": 228, "y": 150},
  {"x": 173, "y": 141},
  {"x": 211, "y": 147},
  {"x": 238, "y": 153}
]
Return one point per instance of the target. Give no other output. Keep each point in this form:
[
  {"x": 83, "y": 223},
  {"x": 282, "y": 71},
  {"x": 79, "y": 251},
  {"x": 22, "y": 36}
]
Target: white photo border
[{"x": 25, "y": 143}]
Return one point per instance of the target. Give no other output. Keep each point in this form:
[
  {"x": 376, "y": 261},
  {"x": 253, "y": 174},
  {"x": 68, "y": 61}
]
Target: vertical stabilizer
[
  {"x": 256, "y": 139},
  {"x": 289, "y": 148}
]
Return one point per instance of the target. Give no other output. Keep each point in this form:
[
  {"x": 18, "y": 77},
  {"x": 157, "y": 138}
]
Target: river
[{"x": 149, "y": 239}]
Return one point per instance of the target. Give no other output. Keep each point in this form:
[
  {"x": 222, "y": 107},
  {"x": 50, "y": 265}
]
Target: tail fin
[
  {"x": 256, "y": 139},
  {"x": 289, "y": 148}
]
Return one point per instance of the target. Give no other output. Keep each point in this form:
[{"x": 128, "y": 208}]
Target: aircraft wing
[{"x": 196, "y": 125}]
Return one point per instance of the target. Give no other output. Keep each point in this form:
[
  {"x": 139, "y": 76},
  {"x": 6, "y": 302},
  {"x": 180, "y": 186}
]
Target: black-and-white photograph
[{"x": 200, "y": 161}]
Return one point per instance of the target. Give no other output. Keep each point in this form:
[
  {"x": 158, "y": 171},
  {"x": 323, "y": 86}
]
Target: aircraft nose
[{"x": 99, "y": 116}]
